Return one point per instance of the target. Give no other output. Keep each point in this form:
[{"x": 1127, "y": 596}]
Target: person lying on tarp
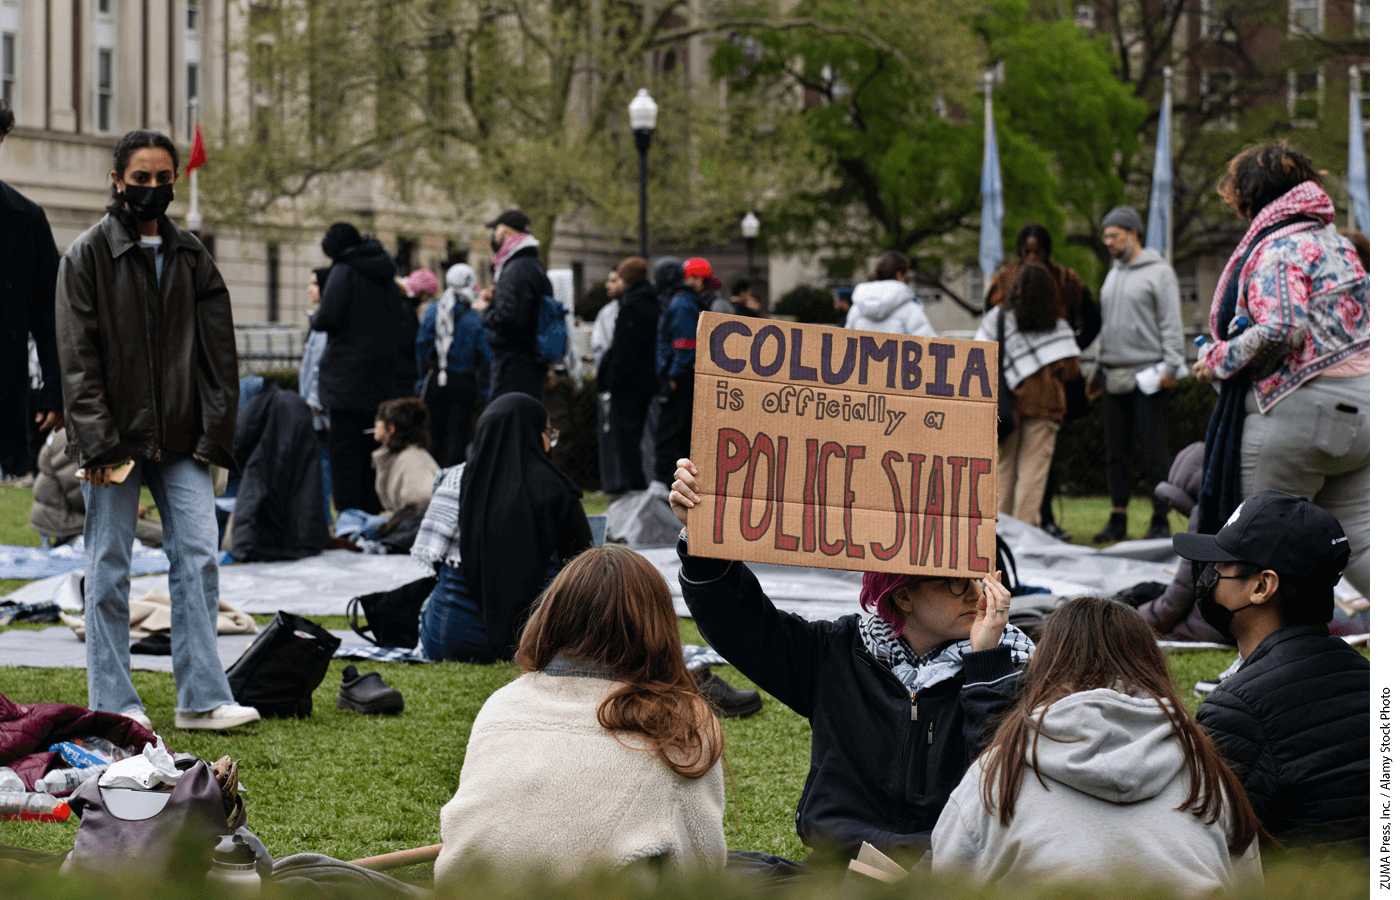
[{"x": 899, "y": 698}]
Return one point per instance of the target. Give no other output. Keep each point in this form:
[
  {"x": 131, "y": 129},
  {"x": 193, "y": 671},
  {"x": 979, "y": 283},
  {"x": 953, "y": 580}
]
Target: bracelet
[{"x": 685, "y": 534}]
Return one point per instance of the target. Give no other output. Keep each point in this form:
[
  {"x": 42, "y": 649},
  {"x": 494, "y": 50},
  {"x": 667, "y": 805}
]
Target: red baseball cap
[{"x": 697, "y": 268}]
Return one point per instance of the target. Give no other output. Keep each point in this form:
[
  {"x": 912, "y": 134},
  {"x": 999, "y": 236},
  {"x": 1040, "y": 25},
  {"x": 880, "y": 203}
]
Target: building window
[
  {"x": 192, "y": 15},
  {"x": 1304, "y": 97},
  {"x": 1305, "y": 16},
  {"x": 274, "y": 264},
  {"x": 1084, "y": 15},
  {"x": 8, "y": 67},
  {"x": 1218, "y": 97},
  {"x": 1363, "y": 94},
  {"x": 1211, "y": 25},
  {"x": 1361, "y": 17},
  {"x": 104, "y": 89},
  {"x": 104, "y": 6},
  {"x": 191, "y": 99}
]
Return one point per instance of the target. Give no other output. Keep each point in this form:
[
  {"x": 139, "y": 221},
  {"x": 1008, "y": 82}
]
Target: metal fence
[{"x": 268, "y": 348}]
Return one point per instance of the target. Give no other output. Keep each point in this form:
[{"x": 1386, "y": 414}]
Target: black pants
[
  {"x": 1122, "y": 415},
  {"x": 513, "y": 371},
  {"x": 352, "y": 471},
  {"x": 673, "y": 433},
  {"x": 450, "y": 416},
  {"x": 620, "y": 422}
]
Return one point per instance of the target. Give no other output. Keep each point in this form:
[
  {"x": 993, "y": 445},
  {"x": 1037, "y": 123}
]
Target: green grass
[{"x": 352, "y": 786}]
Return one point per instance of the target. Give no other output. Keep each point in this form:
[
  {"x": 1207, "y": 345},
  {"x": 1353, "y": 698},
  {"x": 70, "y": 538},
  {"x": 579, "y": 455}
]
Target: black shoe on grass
[
  {"x": 728, "y": 701},
  {"x": 367, "y": 694}
]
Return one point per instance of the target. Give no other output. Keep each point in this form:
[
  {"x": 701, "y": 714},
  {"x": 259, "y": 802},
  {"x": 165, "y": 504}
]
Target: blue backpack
[{"x": 551, "y": 331}]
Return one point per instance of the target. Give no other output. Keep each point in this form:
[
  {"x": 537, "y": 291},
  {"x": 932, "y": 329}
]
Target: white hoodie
[
  {"x": 1114, "y": 776},
  {"x": 888, "y": 306}
]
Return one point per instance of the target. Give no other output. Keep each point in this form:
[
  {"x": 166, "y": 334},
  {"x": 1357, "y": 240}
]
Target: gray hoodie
[
  {"x": 888, "y": 306},
  {"x": 1141, "y": 314},
  {"x": 1114, "y": 776}
]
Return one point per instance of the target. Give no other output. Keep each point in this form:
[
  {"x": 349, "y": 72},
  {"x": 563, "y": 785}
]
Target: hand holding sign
[{"x": 685, "y": 490}]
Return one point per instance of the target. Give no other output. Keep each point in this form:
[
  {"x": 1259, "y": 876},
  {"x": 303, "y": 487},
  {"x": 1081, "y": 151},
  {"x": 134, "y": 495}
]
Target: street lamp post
[
  {"x": 642, "y": 112},
  {"x": 749, "y": 229}
]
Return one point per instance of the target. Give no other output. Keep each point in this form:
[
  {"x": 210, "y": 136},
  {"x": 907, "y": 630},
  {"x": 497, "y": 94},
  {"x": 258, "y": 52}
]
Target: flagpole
[
  {"x": 1352, "y": 104},
  {"x": 1167, "y": 103},
  {"x": 993, "y": 209}
]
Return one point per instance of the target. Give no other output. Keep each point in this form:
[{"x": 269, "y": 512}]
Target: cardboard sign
[{"x": 844, "y": 449}]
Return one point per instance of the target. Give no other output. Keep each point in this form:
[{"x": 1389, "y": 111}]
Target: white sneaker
[
  {"x": 138, "y": 715},
  {"x": 230, "y": 715}
]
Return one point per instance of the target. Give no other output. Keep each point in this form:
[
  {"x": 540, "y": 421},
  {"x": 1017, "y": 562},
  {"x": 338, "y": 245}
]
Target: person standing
[
  {"x": 675, "y": 368},
  {"x": 361, "y": 311},
  {"x": 308, "y": 385},
  {"x": 28, "y": 271},
  {"x": 420, "y": 287},
  {"x": 150, "y": 389},
  {"x": 627, "y": 378},
  {"x": 887, "y": 303},
  {"x": 454, "y": 363},
  {"x": 1141, "y": 330},
  {"x": 1294, "y": 412},
  {"x": 511, "y": 312},
  {"x": 1040, "y": 356}
]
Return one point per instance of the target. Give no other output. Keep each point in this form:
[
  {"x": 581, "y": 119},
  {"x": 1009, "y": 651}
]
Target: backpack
[{"x": 551, "y": 331}]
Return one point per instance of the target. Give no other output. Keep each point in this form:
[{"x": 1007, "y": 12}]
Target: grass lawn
[{"x": 352, "y": 786}]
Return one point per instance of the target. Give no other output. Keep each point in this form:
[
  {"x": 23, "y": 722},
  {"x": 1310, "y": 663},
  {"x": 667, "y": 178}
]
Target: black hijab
[{"x": 514, "y": 502}]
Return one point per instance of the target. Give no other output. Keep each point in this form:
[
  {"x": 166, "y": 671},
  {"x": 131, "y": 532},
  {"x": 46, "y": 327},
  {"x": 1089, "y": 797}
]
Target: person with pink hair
[{"x": 419, "y": 287}]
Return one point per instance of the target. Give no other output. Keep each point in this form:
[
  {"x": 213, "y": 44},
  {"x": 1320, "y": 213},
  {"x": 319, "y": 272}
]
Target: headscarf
[
  {"x": 513, "y": 501},
  {"x": 421, "y": 282},
  {"x": 461, "y": 285},
  {"x": 669, "y": 276},
  {"x": 340, "y": 237}
]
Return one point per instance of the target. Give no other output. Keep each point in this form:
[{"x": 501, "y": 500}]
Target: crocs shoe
[
  {"x": 138, "y": 715},
  {"x": 230, "y": 715},
  {"x": 367, "y": 694}
]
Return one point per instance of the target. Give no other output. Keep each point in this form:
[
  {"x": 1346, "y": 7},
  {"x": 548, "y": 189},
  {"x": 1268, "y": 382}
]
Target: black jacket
[
  {"x": 883, "y": 761},
  {"x": 630, "y": 363},
  {"x": 406, "y": 351},
  {"x": 361, "y": 312},
  {"x": 148, "y": 369},
  {"x": 281, "y": 511},
  {"x": 1293, "y": 723},
  {"x": 28, "y": 278},
  {"x": 512, "y": 319}
]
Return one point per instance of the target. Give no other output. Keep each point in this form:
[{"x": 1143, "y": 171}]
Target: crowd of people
[{"x": 941, "y": 734}]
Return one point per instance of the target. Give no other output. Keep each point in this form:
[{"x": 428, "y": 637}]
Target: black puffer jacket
[
  {"x": 883, "y": 760},
  {"x": 1293, "y": 723},
  {"x": 361, "y": 312},
  {"x": 512, "y": 319},
  {"x": 281, "y": 511},
  {"x": 630, "y": 363},
  {"x": 148, "y": 369}
]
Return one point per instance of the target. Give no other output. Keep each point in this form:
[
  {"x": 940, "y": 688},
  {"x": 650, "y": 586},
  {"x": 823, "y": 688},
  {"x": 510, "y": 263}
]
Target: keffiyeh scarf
[{"x": 917, "y": 673}]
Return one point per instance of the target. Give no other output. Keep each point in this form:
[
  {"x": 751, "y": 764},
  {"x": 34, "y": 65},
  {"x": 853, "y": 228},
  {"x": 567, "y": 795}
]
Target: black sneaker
[
  {"x": 1160, "y": 528},
  {"x": 1115, "y": 530},
  {"x": 1056, "y": 532},
  {"x": 729, "y": 702},
  {"x": 367, "y": 694}
]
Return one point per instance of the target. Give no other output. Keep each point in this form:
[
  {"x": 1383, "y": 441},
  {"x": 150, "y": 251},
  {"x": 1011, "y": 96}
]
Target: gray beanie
[{"x": 1125, "y": 217}]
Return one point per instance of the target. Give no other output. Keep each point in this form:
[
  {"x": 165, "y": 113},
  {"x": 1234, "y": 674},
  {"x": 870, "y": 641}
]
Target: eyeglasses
[
  {"x": 553, "y": 438},
  {"x": 956, "y": 586},
  {"x": 1210, "y": 577}
]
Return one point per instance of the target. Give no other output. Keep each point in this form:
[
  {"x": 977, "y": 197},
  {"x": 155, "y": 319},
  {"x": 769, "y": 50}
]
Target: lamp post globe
[
  {"x": 641, "y": 112},
  {"x": 749, "y": 229}
]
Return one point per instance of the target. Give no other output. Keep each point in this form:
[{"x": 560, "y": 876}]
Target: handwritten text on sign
[{"x": 844, "y": 449}]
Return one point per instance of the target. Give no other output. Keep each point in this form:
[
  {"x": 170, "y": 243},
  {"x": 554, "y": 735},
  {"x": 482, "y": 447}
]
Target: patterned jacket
[{"x": 1305, "y": 294}]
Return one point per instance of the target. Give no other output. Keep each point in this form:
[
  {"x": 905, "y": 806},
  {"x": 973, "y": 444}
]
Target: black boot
[
  {"x": 729, "y": 702},
  {"x": 1115, "y": 530},
  {"x": 367, "y": 694},
  {"x": 1161, "y": 527}
]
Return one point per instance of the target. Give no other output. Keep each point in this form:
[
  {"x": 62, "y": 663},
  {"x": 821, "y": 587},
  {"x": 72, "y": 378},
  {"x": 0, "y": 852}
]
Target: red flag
[{"x": 197, "y": 156}]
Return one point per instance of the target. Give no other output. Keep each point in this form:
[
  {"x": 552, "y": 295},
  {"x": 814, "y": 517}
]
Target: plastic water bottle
[
  {"x": 66, "y": 781},
  {"x": 235, "y": 866},
  {"x": 32, "y": 807},
  {"x": 10, "y": 780}
]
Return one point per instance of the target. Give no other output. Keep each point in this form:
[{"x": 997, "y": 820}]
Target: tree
[{"x": 898, "y": 131}]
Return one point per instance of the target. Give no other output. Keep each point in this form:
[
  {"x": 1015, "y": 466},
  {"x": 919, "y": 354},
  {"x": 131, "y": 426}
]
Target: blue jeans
[
  {"x": 451, "y": 626},
  {"x": 353, "y": 523},
  {"x": 185, "y": 497}
]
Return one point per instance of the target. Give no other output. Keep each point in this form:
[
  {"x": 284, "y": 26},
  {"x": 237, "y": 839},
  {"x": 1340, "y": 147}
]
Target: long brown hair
[
  {"x": 610, "y": 607},
  {"x": 1092, "y": 643},
  {"x": 1032, "y": 298}
]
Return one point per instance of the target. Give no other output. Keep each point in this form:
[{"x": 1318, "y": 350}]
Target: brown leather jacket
[{"x": 148, "y": 370}]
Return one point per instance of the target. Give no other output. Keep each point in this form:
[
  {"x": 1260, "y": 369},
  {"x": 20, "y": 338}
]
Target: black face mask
[
  {"x": 148, "y": 202},
  {"x": 1216, "y": 616}
]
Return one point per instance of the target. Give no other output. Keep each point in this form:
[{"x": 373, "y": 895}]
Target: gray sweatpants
[{"x": 1316, "y": 443}]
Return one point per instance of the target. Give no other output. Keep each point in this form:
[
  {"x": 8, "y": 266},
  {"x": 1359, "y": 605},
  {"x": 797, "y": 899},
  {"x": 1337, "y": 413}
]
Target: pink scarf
[{"x": 508, "y": 248}]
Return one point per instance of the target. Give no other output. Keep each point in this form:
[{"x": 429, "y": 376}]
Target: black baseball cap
[
  {"x": 1278, "y": 531},
  {"x": 511, "y": 218}
]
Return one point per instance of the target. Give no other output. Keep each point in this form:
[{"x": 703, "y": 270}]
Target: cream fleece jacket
[
  {"x": 545, "y": 787},
  {"x": 404, "y": 480},
  {"x": 1114, "y": 777}
]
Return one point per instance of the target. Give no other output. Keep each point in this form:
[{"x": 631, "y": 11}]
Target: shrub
[
  {"x": 809, "y": 304},
  {"x": 594, "y": 299}
]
